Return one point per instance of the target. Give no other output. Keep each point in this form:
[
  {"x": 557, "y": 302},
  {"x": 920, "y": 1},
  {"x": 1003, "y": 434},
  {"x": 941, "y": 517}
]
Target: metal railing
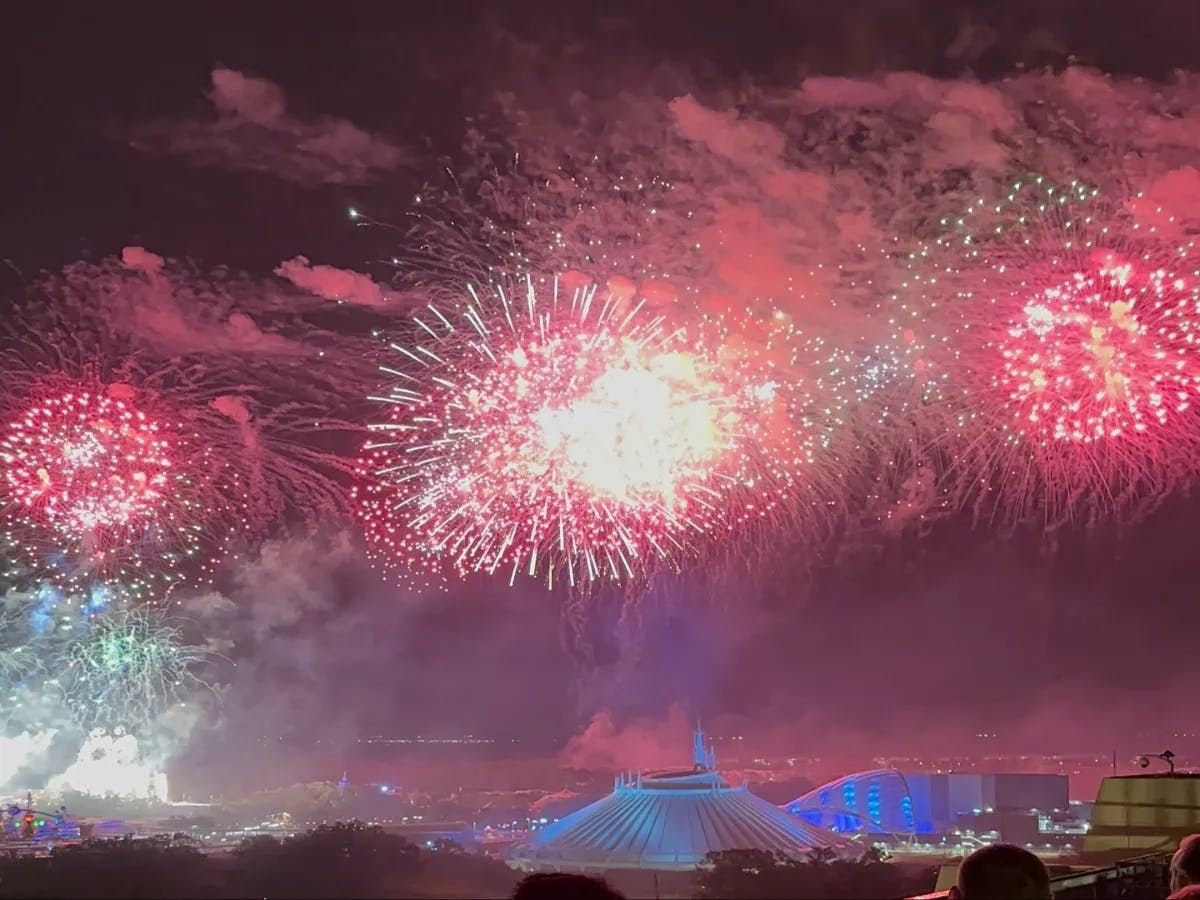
[{"x": 1150, "y": 871}]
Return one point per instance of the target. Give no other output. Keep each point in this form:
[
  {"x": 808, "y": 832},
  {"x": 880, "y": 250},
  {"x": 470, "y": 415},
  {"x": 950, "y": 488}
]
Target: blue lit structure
[
  {"x": 879, "y": 801},
  {"x": 887, "y": 802},
  {"x": 669, "y": 821}
]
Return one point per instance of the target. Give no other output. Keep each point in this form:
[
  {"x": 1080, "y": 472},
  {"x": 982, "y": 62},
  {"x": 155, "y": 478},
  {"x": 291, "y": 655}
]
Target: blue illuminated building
[
  {"x": 840, "y": 806},
  {"x": 669, "y": 821},
  {"x": 888, "y": 802}
]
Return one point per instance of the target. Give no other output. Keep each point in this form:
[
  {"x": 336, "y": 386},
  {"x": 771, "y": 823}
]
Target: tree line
[
  {"x": 340, "y": 860},
  {"x": 356, "y": 860},
  {"x": 764, "y": 875}
]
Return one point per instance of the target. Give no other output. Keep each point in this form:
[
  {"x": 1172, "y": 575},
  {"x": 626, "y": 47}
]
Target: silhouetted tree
[
  {"x": 347, "y": 859},
  {"x": 737, "y": 874},
  {"x": 451, "y": 870},
  {"x": 746, "y": 873},
  {"x": 166, "y": 867},
  {"x": 821, "y": 855},
  {"x": 342, "y": 860}
]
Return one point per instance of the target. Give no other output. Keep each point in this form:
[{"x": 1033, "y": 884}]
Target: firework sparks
[
  {"x": 99, "y": 491},
  {"x": 573, "y": 438},
  {"x": 1070, "y": 355},
  {"x": 1108, "y": 354},
  {"x": 92, "y": 468},
  {"x": 128, "y": 669},
  {"x": 165, "y": 459},
  {"x": 509, "y": 222}
]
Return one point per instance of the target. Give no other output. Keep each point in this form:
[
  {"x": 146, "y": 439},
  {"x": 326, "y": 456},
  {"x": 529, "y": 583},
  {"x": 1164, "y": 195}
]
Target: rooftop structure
[
  {"x": 669, "y": 821},
  {"x": 1144, "y": 813}
]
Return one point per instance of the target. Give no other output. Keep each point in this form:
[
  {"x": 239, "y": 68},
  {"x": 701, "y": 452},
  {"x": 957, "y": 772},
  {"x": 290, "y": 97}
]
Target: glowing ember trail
[{"x": 574, "y": 439}]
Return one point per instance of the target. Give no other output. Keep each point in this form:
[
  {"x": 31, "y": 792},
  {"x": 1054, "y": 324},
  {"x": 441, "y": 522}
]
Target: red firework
[
  {"x": 1110, "y": 354},
  {"x": 1074, "y": 364},
  {"x": 90, "y": 467},
  {"x": 96, "y": 490}
]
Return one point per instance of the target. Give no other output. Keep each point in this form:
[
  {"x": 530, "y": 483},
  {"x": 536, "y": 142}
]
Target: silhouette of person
[
  {"x": 1002, "y": 872},
  {"x": 564, "y": 886},
  {"x": 1187, "y": 892},
  {"x": 1185, "y": 864}
]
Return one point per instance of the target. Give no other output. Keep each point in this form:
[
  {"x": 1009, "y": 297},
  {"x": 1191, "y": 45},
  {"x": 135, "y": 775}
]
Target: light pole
[{"x": 1166, "y": 756}]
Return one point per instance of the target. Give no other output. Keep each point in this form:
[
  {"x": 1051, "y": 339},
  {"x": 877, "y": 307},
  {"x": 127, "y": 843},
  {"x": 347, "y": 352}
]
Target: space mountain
[{"x": 669, "y": 821}]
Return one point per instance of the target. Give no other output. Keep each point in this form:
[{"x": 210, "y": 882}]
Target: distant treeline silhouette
[
  {"x": 341, "y": 860},
  {"x": 355, "y": 860}
]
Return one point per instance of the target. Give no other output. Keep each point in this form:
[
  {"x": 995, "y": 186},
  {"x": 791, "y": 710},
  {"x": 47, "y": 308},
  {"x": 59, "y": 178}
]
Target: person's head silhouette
[
  {"x": 564, "y": 886},
  {"x": 1185, "y": 864},
  {"x": 1002, "y": 872}
]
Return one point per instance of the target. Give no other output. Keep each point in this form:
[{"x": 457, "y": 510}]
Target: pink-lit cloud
[
  {"x": 172, "y": 328},
  {"x": 756, "y": 256},
  {"x": 341, "y": 285},
  {"x": 252, "y": 130},
  {"x": 767, "y": 217},
  {"x": 254, "y": 100},
  {"x": 141, "y": 260},
  {"x": 118, "y": 390},
  {"x": 172, "y": 310},
  {"x": 233, "y": 408},
  {"x": 1172, "y": 199},
  {"x": 800, "y": 195},
  {"x": 727, "y": 134},
  {"x": 606, "y": 745}
]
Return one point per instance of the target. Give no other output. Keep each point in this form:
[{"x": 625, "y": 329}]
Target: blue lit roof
[
  {"x": 873, "y": 802},
  {"x": 669, "y": 820}
]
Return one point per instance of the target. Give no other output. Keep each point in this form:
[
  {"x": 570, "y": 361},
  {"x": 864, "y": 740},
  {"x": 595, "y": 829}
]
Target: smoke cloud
[
  {"x": 605, "y": 746},
  {"x": 327, "y": 655},
  {"x": 341, "y": 285},
  {"x": 254, "y": 131},
  {"x": 172, "y": 310}
]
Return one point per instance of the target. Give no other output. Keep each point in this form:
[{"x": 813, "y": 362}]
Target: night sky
[{"x": 914, "y": 643}]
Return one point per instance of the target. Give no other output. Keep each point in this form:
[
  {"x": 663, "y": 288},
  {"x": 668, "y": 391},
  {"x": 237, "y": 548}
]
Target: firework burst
[
  {"x": 17, "y": 658},
  {"x": 165, "y": 451},
  {"x": 577, "y": 440},
  {"x": 1109, "y": 354},
  {"x": 98, "y": 491},
  {"x": 37, "y": 629},
  {"x": 128, "y": 669},
  {"x": 1073, "y": 371}
]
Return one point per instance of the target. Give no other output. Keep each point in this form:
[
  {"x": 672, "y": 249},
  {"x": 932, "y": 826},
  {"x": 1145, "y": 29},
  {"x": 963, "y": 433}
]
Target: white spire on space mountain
[{"x": 704, "y": 759}]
